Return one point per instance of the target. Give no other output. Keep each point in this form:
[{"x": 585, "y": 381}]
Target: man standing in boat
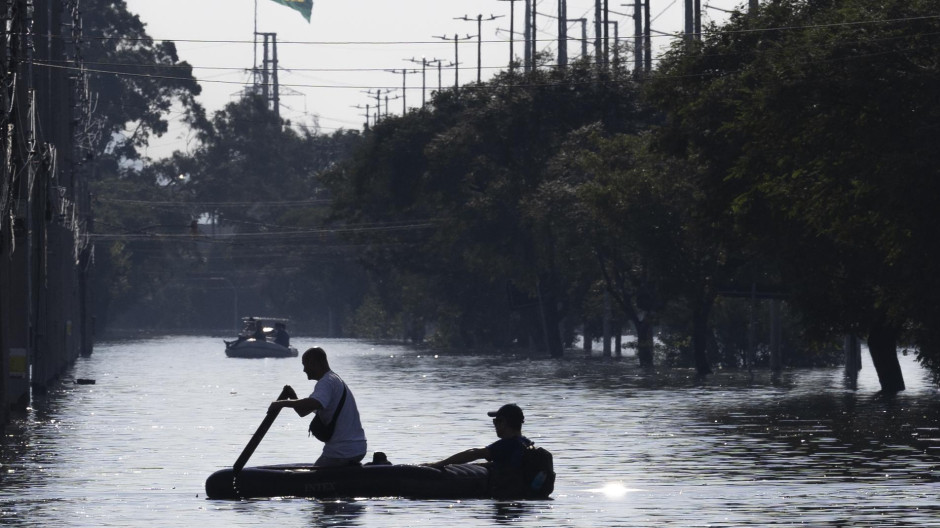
[{"x": 346, "y": 443}]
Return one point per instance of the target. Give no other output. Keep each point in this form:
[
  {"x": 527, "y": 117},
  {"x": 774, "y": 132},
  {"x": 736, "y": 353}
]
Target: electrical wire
[{"x": 435, "y": 42}]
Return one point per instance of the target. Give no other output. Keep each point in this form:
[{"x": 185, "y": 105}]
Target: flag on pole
[{"x": 304, "y": 7}]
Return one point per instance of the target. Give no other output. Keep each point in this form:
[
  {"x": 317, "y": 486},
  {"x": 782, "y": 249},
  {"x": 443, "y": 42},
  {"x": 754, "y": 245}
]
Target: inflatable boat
[{"x": 458, "y": 481}]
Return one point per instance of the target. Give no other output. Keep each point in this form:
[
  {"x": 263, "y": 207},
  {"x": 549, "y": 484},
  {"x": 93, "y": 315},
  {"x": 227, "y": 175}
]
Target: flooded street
[{"x": 631, "y": 448}]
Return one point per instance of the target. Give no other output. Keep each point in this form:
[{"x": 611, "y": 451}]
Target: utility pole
[
  {"x": 647, "y": 36},
  {"x": 479, "y": 20},
  {"x": 583, "y": 22},
  {"x": 456, "y": 38},
  {"x": 367, "y": 113},
  {"x": 276, "y": 95},
  {"x": 617, "y": 32},
  {"x": 637, "y": 36},
  {"x": 535, "y": 37},
  {"x": 269, "y": 90},
  {"x": 378, "y": 103},
  {"x": 424, "y": 66},
  {"x": 404, "y": 95},
  {"x": 606, "y": 34},
  {"x": 562, "y": 33},
  {"x": 698, "y": 19},
  {"x": 527, "y": 36},
  {"x": 512, "y": 32},
  {"x": 752, "y": 7},
  {"x": 693, "y": 20},
  {"x": 439, "y": 63},
  {"x": 616, "y": 39},
  {"x": 598, "y": 48}
]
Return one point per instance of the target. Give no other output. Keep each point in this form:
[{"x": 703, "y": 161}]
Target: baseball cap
[{"x": 510, "y": 412}]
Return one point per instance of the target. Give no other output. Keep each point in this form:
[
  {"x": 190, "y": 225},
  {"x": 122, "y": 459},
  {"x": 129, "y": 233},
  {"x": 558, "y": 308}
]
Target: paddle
[{"x": 286, "y": 394}]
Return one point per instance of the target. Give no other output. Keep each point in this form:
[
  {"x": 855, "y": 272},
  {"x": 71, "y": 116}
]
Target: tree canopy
[
  {"x": 789, "y": 151},
  {"x": 817, "y": 122}
]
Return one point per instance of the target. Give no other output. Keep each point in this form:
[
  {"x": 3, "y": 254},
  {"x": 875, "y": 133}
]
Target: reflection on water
[
  {"x": 516, "y": 512},
  {"x": 632, "y": 448}
]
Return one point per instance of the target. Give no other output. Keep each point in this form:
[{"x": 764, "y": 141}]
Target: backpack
[{"x": 538, "y": 471}]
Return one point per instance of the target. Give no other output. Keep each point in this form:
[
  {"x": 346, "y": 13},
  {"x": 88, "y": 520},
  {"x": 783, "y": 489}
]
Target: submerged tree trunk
[
  {"x": 618, "y": 340},
  {"x": 556, "y": 348},
  {"x": 883, "y": 347},
  {"x": 551, "y": 320},
  {"x": 644, "y": 342},
  {"x": 700, "y": 337}
]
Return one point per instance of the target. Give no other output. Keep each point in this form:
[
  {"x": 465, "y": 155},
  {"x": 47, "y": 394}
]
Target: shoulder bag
[{"x": 323, "y": 432}]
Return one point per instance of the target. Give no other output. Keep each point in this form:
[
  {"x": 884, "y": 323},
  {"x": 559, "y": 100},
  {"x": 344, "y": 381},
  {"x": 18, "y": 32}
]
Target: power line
[
  {"x": 212, "y": 204},
  {"x": 520, "y": 85},
  {"x": 429, "y": 42},
  {"x": 280, "y": 235}
]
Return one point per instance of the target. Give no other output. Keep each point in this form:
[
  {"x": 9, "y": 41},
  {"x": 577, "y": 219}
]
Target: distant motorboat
[
  {"x": 257, "y": 341},
  {"x": 252, "y": 348}
]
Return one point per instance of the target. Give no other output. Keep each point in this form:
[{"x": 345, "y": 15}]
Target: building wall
[{"x": 44, "y": 250}]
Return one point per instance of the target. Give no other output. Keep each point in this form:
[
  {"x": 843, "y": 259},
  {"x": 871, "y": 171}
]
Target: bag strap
[{"x": 339, "y": 408}]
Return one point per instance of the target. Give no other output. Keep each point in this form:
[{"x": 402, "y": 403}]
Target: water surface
[{"x": 631, "y": 448}]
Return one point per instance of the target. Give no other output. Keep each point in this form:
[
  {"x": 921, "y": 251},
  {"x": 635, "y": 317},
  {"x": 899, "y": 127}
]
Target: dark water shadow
[
  {"x": 512, "y": 512},
  {"x": 339, "y": 514}
]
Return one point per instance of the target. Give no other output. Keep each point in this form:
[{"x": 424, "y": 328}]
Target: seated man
[
  {"x": 259, "y": 334},
  {"x": 505, "y": 455},
  {"x": 281, "y": 336}
]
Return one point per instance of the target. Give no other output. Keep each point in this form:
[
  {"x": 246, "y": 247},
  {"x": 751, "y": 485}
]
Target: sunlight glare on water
[
  {"x": 613, "y": 490},
  {"x": 632, "y": 448}
]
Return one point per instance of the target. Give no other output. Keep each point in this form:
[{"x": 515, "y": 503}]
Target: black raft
[
  {"x": 456, "y": 481},
  {"x": 395, "y": 480}
]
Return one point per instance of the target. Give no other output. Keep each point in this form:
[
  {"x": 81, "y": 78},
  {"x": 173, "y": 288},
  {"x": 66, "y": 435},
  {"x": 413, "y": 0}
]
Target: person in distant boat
[
  {"x": 281, "y": 336},
  {"x": 347, "y": 445},
  {"x": 505, "y": 454},
  {"x": 259, "y": 334},
  {"x": 247, "y": 328}
]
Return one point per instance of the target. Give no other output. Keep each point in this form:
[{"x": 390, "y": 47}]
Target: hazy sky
[{"x": 338, "y": 61}]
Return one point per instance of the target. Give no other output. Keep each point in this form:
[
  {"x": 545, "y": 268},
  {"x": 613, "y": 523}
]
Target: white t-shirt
[{"x": 349, "y": 440}]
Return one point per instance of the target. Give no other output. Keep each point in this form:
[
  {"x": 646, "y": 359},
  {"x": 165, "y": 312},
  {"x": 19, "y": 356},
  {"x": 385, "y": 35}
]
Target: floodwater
[{"x": 631, "y": 448}]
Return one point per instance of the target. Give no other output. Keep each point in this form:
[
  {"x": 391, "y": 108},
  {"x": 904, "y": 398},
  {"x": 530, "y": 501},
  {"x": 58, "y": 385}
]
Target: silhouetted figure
[
  {"x": 331, "y": 397},
  {"x": 259, "y": 334},
  {"x": 281, "y": 336}
]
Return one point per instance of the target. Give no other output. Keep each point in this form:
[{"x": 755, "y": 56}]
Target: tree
[
  {"x": 473, "y": 164},
  {"x": 639, "y": 213},
  {"x": 812, "y": 118},
  {"x": 134, "y": 81}
]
